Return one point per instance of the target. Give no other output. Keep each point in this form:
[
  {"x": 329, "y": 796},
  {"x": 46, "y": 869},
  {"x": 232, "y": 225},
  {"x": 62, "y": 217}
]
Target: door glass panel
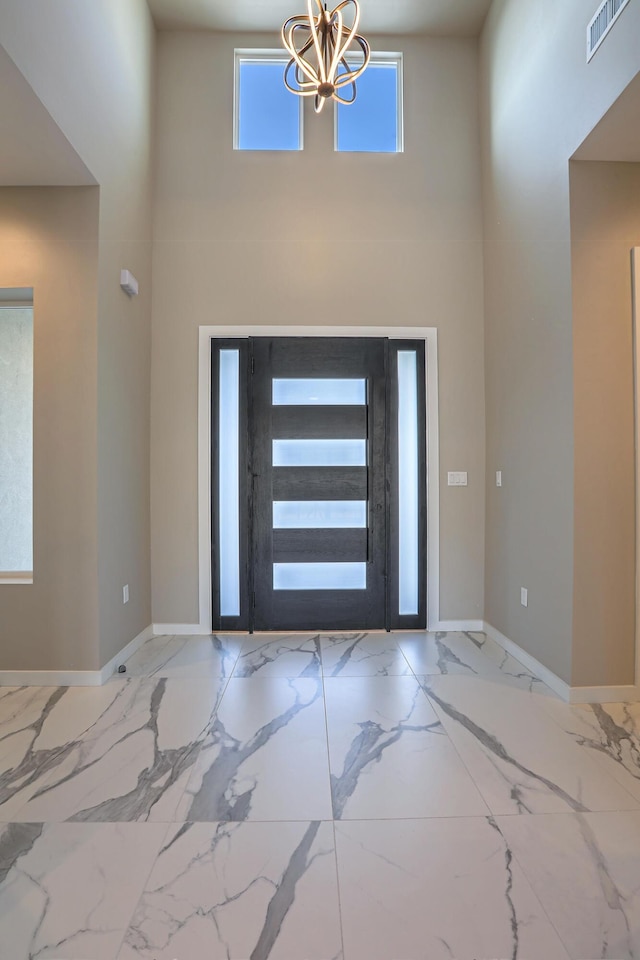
[
  {"x": 408, "y": 471},
  {"x": 229, "y": 483},
  {"x": 319, "y": 514},
  {"x": 310, "y": 393},
  {"x": 319, "y": 453},
  {"x": 319, "y": 576}
]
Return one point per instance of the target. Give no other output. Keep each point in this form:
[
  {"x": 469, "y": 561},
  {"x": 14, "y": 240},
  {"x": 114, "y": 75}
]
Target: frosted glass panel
[
  {"x": 311, "y": 393},
  {"x": 229, "y": 483},
  {"x": 319, "y": 514},
  {"x": 319, "y": 453},
  {"x": 16, "y": 440},
  {"x": 319, "y": 576},
  {"x": 408, "y": 494}
]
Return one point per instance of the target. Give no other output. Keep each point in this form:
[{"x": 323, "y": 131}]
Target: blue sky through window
[
  {"x": 370, "y": 125},
  {"x": 268, "y": 115}
]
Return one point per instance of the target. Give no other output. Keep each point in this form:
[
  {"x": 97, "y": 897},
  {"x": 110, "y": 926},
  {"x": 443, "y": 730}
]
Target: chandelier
[{"x": 318, "y": 46}]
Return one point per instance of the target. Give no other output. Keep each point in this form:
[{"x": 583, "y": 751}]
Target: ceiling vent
[{"x": 605, "y": 17}]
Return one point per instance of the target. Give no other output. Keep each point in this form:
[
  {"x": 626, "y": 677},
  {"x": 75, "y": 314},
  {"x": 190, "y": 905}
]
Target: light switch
[
  {"x": 524, "y": 596},
  {"x": 458, "y": 479},
  {"x": 498, "y": 478}
]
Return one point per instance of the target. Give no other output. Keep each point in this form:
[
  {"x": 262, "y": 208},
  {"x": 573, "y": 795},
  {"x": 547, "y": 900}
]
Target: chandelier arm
[
  {"x": 315, "y": 28},
  {"x": 356, "y": 22},
  {"x": 304, "y": 89},
  {"x": 346, "y": 103},
  {"x": 353, "y": 75},
  {"x": 319, "y": 104},
  {"x": 336, "y": 42},
  {"x": 297, "y": 55}
]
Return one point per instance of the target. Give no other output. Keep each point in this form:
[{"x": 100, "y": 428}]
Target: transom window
[
  {"x": 374, "y": 123},
  {"x": 268, "y": 117}
]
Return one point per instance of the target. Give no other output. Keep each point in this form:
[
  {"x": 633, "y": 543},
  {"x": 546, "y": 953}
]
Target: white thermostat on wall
[{"x": 129, "y": 283}]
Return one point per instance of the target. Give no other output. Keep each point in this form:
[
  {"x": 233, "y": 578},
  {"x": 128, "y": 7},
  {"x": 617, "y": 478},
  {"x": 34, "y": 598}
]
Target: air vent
[{"x": 606, "y": 15}]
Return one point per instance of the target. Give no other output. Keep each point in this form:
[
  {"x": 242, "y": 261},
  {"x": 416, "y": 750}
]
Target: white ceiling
[
  {"x": 437, "y": 17},
  {"x": 34, "y": 150},
  {"x": 617, "y": 136}
]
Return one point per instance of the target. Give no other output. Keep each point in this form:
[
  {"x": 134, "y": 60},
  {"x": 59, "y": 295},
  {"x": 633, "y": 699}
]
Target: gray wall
[
  {"x": 539, "y": 100},
  {"x": 245, "y": 238},
  {"x": 49, "y": 241},
  {"x": 605, "y": 225},
  {"x": 92, "y": 66}
]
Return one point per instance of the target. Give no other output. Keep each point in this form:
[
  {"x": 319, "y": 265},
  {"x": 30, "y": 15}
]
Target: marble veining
[
  {"x": 514, "y": 753},
  {"x": 134, "y": 761},
  {"x": 358, "y": 796},
  {"x": 609, "y": 733},
  {"x": 186, "y": 657},
  {"x": 390, "y": 755},
  {"x": 362, "y": 655},
  {"x": 248, "y": 762},
  {"x": 240, "y": 891},
  {"x": 285, "y": 657}
]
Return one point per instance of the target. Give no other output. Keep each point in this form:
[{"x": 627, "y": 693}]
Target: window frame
[
  {"x": 21, "y": 298},
  {"x": 379, "y": 58},
  {"x": 260, "y": 55}
]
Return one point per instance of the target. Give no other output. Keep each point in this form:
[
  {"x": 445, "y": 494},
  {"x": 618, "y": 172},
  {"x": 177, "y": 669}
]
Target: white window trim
[
  {"x": 267, "y": 55},
  {"x": 17, "y": 298},
  {"x": 379, "y": 58}
]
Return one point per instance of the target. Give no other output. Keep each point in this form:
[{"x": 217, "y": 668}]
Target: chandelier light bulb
[{"x": 319, "y": 45}]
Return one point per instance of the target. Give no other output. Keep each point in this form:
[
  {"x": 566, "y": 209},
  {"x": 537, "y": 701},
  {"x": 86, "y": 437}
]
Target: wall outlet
[
  {"x": 125, "y": 593},
  {"x": 524, "y": 596},
  {"x": 457, "y": 479},
  {"x": 498, "y": 478}
]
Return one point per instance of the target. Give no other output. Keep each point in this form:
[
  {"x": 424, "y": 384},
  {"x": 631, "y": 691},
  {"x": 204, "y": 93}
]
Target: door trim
[{"x": 208, "y": 333}]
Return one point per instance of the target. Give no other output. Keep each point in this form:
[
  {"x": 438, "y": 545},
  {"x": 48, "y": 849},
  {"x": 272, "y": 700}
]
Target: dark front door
[{"x": 319, "y": 485}]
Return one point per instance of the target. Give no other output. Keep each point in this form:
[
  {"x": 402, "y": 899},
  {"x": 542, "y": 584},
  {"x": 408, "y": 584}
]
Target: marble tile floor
[{"x": 315, "y": 797}]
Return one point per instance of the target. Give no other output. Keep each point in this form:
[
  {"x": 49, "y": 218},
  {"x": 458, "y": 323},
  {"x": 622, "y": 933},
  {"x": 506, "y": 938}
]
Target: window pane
[
  {"x": 370, "y": 125},
  {"x": 318, "y": 514},
  {"x": 319, "y": 453},
  {"x": 268, "y": 115},
  {"x": 319, "y": 576},
  {"x": 408, "y": 493},
  {"x": 229, "y": 483},
  {"x": 319, "y": 392},
  {"x": 16, "y": 440}
]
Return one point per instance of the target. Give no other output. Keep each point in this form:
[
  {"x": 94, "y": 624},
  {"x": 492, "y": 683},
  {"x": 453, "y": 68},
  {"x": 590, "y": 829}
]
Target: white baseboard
[
  {"x": 109, "y": 668},
  {"x": 538, "y": 669},
  {"x": 621, "y": 694},
  {"x": 181, "y": 630},
  {"x": 458, "y": 626},
  {"x": 73, "y": 678}
]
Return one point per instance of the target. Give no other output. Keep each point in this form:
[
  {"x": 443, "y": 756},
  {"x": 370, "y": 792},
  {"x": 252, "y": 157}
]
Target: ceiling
[
  {"x": 438, "y": 17},
  {"x": 617, "y": 136},
  {"x": 36, "y": 153}
]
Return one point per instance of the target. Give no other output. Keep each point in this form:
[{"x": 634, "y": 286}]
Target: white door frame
[
  {"x": 209, "y": 333},
  {"x": 635, "y": 277}
]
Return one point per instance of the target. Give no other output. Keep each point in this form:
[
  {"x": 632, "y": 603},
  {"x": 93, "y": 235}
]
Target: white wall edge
[
  {"x": 180, "y": 630},
  {"x": 74, "y": 678},
  {"x": 635, "y": 293},
  {"x": 208, "y": 333},
  {"x": 543, "y": 673},
  {"x": 26, "y": 581},
  {"x": 458, "y": 626}
]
